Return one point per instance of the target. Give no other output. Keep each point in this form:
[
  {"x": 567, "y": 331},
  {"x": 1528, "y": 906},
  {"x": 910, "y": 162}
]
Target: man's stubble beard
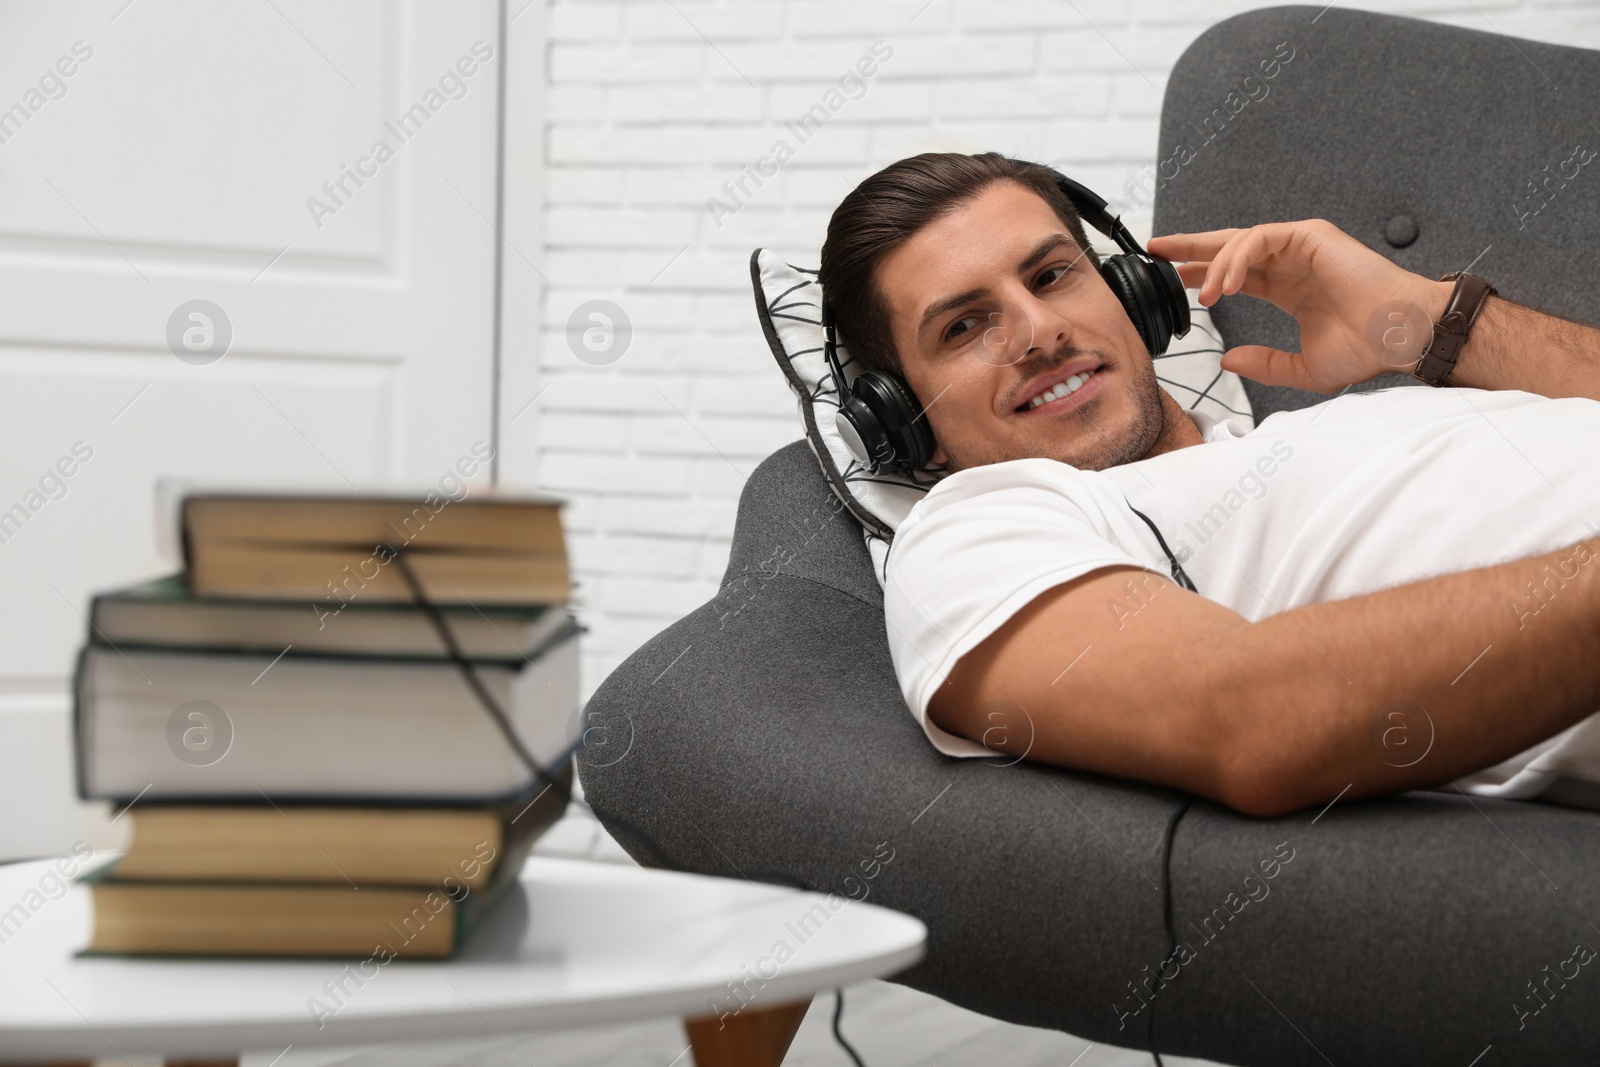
[{"x": 1092, "y": 445}]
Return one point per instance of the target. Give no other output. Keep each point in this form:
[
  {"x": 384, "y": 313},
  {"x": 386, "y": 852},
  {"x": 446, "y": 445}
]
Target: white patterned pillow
[{"x": 788, "y": 302}]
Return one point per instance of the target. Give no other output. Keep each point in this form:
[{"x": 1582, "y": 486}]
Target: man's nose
[
  {"x": 1023, "y": 329},
  {"x": 1049, "y": 329},
  {"x": 1045, "y": 329}
]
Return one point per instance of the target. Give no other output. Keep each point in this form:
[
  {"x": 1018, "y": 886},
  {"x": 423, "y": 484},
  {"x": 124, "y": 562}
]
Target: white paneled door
[{"x": 244, "y": 241}]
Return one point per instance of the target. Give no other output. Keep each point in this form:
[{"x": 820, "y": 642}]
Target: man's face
[{"x": 994, "y": 306}]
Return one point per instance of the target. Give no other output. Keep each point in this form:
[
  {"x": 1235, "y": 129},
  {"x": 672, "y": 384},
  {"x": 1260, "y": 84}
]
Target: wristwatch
[{"x": 1450, "y": 332}]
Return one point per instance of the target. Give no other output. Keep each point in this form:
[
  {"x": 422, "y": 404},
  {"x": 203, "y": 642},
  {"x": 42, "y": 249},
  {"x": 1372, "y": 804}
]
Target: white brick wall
[{"x": 652, "y": 105}]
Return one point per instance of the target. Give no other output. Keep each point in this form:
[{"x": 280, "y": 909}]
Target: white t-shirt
[{"x": 1355, "y": 494}]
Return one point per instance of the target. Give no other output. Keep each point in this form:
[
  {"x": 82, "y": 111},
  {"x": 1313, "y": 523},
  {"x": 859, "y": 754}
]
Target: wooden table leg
[{"x": 756, "y": 1037}]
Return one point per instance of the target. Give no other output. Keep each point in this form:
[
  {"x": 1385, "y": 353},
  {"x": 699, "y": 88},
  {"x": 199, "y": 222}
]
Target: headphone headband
[
  {"x": 1094, "y": 210},
  {"x": 830, "y": 344}
]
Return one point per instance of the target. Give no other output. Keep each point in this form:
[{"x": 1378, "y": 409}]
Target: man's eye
[
  {"x": 1052, "y": 275},
  {"x": 961, "y": 327}
]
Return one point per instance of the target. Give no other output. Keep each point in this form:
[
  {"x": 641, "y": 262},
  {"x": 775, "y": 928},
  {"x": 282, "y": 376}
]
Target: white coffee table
[{"x": 585, "y": 943}]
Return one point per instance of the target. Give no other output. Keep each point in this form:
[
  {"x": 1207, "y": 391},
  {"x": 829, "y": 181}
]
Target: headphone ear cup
[
  {"x": 1129, "y": 280},
  {"x": 1153, "y": 295},
  {"x": 888, "y": 420},
  {"x": 1171, "y": 295},
  {"x": 863, "y": 433},
  {"x": 915, "y": 448}
]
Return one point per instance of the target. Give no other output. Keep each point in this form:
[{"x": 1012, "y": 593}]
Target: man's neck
[{"x": 1178, "y": 430}]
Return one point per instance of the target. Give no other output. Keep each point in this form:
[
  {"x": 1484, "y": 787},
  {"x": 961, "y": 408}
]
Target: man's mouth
[{"x": 1062, "y": 389}]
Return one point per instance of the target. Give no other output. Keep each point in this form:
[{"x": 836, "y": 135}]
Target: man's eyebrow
[
  {"x": 948, "y": 304},
  {"x": 1048, "y": 245}
]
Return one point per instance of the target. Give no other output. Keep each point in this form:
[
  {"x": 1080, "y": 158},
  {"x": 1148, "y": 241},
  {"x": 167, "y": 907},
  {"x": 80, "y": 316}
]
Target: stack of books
[{"x": 307, "y": 766}]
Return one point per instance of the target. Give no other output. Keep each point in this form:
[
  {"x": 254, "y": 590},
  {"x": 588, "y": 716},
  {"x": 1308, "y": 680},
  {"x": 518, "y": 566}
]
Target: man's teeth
[{"x": 1060, "y": 389}]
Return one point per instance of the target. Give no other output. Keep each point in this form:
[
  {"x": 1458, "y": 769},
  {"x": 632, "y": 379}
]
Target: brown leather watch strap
[{"x": 1450, "y": 332}]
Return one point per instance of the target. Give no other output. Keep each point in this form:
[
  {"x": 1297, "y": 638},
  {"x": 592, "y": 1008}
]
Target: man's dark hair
[{"x": 884, "y": 211}]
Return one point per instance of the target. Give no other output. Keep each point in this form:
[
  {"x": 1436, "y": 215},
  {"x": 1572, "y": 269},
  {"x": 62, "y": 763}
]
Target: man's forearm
[
  {"x": 1411, "y": 686},
  {"x": 1516, "y": 347}
]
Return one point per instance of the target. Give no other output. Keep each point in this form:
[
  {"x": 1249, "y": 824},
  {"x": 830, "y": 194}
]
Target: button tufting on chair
[{"x": 1400, "y": 230}]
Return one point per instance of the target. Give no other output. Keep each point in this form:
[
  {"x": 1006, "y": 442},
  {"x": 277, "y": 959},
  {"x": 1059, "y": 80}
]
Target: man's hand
[{"x": 1360, "y": 315}]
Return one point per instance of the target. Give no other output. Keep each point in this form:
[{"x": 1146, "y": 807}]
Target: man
[{"x": 1395, "y": 588}]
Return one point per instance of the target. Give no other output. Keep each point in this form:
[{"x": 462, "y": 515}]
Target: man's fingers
[
  {"x": 1181, "y": 247},
  {"x": 1269, "y": 366},
  {"x": 1193, "y": 276},
  {"x": 1214, "y": 288},
  {"x": 1190, "y": 247},
  {"x": 1242, "y": 260},
  {"x": 1231, "y": 259},
  {"x": 1219, "y": 262}
]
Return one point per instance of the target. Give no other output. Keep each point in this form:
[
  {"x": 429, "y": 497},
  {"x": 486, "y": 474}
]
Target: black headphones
[{"x": 881, "y": 419}]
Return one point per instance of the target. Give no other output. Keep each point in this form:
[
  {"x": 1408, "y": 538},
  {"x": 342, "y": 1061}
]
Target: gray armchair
[{"x": 769, "y": 739}]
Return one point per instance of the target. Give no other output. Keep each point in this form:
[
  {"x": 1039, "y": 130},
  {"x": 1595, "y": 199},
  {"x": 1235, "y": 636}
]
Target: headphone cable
[
  {"x": 1179, "y": 575},
  {"x": 838, "y": 1035},
  {"x": 542, "y": 774},
  {"x": 1166, "y": 916},
  {"x": 569, "y": 754}
]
